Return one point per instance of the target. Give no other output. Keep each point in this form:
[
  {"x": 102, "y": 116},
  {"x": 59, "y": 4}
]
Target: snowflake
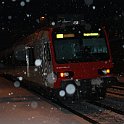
[
  {"x": 22, "y": 3},
  {"x": 20, "y": 78},
  {"x": 13, "y": 0},
  {"x": 123, "y": 46},
  {"x": 38, "y": 62},
  {"x": 88, "y": 2},
  {"x": 27, "y": 1},
  {"x": 28, "y": 15},
  {"x": 3, "y": 2},
  {"x": 9, "y": 17},
  {"x": 94, "y": 7},
  {"x": 17, "y": 84},
  {"x": 34, "y": 104}
]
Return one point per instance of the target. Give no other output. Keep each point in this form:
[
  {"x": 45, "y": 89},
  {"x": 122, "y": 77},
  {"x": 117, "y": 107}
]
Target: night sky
[{"x": 19, "y": 18}]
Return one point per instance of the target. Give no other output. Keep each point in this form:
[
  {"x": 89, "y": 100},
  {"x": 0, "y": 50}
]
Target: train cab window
[{"x": 74, "y": 49}]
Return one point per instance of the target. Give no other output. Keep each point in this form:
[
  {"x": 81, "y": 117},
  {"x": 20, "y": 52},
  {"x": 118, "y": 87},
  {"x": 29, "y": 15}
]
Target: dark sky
[{"x": 21, "y": 17}]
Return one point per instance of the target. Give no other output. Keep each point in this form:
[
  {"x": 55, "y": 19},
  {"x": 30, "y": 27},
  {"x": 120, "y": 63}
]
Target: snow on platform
[{"x": 19, "y": 106}]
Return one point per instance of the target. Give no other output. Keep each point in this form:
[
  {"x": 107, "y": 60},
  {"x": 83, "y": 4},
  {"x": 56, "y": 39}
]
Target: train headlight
[
  {"x": 70, "y": 89},
  {"x": 106, "y": 71},
  {"x": 65, "y": 74}
]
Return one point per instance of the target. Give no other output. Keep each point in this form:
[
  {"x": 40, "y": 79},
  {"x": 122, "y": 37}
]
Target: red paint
[{"x": 82, "y": 70}]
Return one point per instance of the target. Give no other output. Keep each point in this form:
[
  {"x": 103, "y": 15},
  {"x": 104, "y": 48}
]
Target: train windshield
[{"x": 80, "y": 49}]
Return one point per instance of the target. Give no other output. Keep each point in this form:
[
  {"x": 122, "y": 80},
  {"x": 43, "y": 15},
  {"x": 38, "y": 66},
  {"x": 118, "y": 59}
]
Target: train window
[
  {"x": 98, "y": 45},
  {"x": 74, "y": 49}
]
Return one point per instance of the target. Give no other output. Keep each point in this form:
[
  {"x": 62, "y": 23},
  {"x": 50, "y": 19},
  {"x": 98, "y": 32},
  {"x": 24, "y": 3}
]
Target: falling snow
[
  {"x": 37, "y": 20},
  {"x": 94, "y": 7},
  {"x": 20, "y": 78},
  {"x": 3, "y": 2},
  {"x": 28, "y": 15},
  {"x": 27, "y": 1},
  {"x": 34, "y": 105},
  {"x": 88, "y": 2},
  {"x": 9, "y": 17},
  {"x": 53, "y": 23},
  {"x": 13, "y": 0},
  {"x": 22, "y": 3},
  {"x": 3, "y": 28},
  {"x": 17, "y": 84},
  {"x": 51, "y": 78},
  {"x": 38, "y": 62}
]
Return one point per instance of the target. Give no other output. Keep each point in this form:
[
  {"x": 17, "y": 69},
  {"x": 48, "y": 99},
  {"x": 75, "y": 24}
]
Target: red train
[{"x": 70, "y": 58}]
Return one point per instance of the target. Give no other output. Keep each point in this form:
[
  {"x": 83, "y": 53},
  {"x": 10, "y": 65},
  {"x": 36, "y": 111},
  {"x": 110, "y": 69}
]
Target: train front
[{"x": 82, "y": 62}]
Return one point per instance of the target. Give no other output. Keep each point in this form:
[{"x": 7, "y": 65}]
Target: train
[{"x": 70, "y": 59}]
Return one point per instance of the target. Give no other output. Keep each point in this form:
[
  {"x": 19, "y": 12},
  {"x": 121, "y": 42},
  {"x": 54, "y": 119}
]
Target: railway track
[
  {"x": 115, "y": 93},
  {"x": 99, "y": 114},
  {"x": 111, "y": 105},
  {"x": 116, "y": 90}
]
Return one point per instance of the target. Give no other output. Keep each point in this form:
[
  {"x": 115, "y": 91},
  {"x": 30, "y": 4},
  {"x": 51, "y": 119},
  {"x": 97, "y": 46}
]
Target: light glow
[
  {"x": 61, "y": 74},
  {"x": 91, "y": 34},
  {"x": 65, "y": 74},
  {"x": 106, "y": 71},
  {"x": 68, "y": 35},
  {"x": 42, "y": 17},
  {"x": 64, "y": 35},
  {"x": 59, "y": 35}
]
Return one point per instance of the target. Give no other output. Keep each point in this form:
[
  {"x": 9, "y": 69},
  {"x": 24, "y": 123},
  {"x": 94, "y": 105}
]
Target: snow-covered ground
[{"x": 18, "y": 106}]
